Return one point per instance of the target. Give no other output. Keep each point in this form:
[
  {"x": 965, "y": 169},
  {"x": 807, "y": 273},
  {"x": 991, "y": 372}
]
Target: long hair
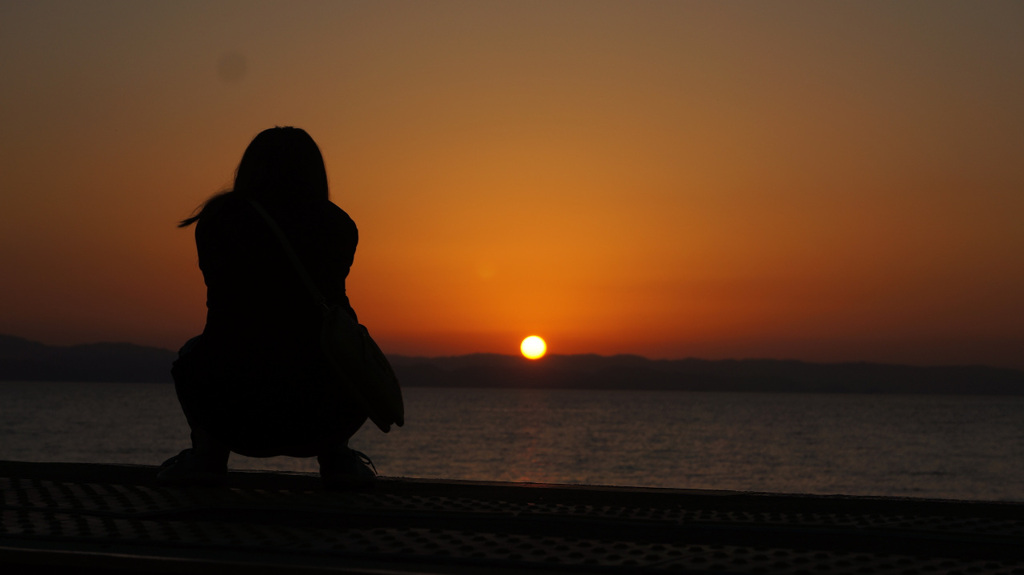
[{"x": 281, "y": 165}]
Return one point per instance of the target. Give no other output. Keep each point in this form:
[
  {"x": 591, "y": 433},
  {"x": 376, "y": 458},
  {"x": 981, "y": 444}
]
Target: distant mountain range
[
  {"x": 745, "y": 375},
  {"x": 24, "y": 360}
]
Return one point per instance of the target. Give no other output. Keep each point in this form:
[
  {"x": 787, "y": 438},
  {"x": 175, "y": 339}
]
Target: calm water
[{"x": 922, "y": 446}]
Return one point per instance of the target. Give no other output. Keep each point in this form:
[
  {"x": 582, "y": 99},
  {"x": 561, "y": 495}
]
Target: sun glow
[{"x": 533, "y": 347}]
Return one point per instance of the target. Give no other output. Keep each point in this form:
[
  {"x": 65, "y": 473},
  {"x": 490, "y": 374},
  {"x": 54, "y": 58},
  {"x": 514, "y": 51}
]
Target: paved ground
[{"x": 64, "y": 518}]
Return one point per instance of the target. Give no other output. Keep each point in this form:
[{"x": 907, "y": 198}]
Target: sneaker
[
  {"x": 347, "y": 469},
  {"x": 186, "y": 468}
]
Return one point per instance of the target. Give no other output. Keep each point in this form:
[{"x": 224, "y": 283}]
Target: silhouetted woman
[{"x": 255, "y": 381}]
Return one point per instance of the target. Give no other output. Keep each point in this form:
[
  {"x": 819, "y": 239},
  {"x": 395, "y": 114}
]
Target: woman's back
[{"x": 256, "y": 303}]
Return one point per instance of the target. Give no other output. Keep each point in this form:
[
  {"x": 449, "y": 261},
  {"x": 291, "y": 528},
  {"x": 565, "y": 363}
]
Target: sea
[{"x": 923, "y": 446}]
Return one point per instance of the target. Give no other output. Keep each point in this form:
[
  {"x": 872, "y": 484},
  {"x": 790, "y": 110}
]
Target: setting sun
[{"x": 533, "y": 347}]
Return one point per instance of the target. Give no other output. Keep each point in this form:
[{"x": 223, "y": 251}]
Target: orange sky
[{"x": 808, "y": 180}]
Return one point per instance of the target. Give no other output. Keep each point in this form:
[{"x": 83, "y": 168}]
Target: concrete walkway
[{"x": 82, "y": 518}]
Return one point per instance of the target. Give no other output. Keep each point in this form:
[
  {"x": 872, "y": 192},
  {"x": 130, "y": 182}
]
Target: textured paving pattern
[{"x": 458, "y": 527}]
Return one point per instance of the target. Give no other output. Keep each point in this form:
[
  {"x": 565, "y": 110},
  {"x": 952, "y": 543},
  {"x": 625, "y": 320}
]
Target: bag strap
[{"x": 318, "y": 297}]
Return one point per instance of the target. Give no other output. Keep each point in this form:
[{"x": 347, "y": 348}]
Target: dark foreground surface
[{"x": 81, "y": 518}]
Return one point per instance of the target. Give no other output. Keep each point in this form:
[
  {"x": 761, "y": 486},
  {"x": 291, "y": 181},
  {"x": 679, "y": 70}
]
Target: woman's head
[{"x": 282, "y": 164}]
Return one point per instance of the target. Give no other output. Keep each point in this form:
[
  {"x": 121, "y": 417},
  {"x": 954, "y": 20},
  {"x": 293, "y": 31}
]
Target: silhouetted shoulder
[
  {"x": 340, "y": 220},
  {"x": 304, "y": 223}
]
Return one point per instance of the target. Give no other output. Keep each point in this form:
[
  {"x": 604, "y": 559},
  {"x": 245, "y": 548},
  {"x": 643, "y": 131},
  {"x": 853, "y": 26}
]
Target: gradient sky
[{"x": 826, "y": 181}]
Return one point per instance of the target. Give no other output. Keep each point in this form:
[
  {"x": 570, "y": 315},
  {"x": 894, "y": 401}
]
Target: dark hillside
[{"x": 24, "y": 360}]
